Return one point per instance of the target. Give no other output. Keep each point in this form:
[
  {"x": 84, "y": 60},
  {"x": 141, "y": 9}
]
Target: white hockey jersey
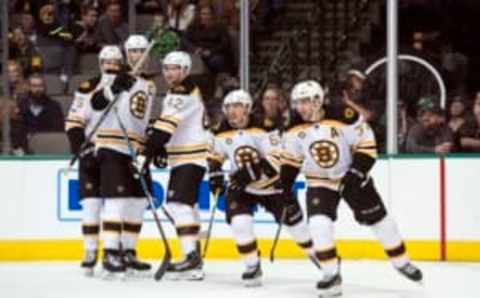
[
  {"x": 81, "y": 114},
  {"x": 134, "y": 109},
  {"x": 241, "y": 145},
  {"x": 325, "y": 149},
  {"x": 182, "y": 116}
]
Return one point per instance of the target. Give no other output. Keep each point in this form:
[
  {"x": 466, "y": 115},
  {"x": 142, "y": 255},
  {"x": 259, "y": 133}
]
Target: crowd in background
[{"x": 209, "y": 29}]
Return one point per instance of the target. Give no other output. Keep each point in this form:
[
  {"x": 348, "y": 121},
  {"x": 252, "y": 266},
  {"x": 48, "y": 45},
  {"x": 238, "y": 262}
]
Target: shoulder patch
[
  {"x": 89, "y": 85},
  {"x": 341, "y": 113}
]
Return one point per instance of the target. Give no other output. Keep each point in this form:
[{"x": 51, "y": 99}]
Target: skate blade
[
  {"x": 88, "y": 272},
  {"x": 111, "y": 276},
  {"x": 191, "y": 275},
  {"x": 334, "y": 291},
  {"x": 138, "y": 274},
  {"x": 253, "y": 283}
]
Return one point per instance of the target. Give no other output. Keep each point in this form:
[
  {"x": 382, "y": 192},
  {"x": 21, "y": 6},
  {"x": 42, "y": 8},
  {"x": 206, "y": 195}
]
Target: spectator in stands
[
  {"x": 36, "y": 112},
  {"x": 151, "y": 6},
  {"x": 16, "y": 79},
  {"x": 84, "y": 30},
  {"x": 180, "y": 15},
  {"x": 55, "y": 28},
  {"x": 112, "y": 28},
  {"x": 27, "y": 24},
  {"x": 431, "y": 134},
  {"x": 456, "y": 113},
  {"x": 270, "y": 11},
  {"x": 273, "y": 106},
  {"x": 469, "y": 133},
  {"x": 66, "y": 12},
  {"x": 23, "y": 51},
  {"x": 405, "y": 122},
  {"x": 209, "y": 39}
]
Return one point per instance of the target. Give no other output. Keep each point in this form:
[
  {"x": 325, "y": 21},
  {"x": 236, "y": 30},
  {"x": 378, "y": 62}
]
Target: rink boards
[{"x": 435, "y": 201}]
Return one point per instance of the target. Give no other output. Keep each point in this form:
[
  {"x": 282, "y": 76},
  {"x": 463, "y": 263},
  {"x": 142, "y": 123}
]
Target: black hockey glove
[
  {"x": 353, "y": 181},
  {"x": 160, "y": 160},
  {"x": 216, "y": 178},
  {"x": 122, "y": 82},
  {"x": 87, "y": 157},
  {"x": 243, "y": 177},
  {"x": 288, "y": 175},
  {"x": 216, "y": 182},
  {"x": 99, "y": 102},
  {"x": 357, "y": 176}
]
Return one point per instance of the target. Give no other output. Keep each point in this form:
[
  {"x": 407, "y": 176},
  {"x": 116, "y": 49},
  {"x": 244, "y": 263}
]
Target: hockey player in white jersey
[
  {"x": 124, "y": 198},
  {"x": 254, "y": 156},
  {"x": 180, "y": 132},
  {"x": 77, "y": 126},
  {"x": 336, "y": 150}
]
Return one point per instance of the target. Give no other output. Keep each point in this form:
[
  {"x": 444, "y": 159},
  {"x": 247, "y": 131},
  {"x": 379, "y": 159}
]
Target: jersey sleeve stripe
[{"x": 167, "y": 127}]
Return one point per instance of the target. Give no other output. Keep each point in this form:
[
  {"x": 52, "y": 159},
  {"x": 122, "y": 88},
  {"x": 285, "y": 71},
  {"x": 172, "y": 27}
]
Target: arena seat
[{"x": 49, "y": 143}]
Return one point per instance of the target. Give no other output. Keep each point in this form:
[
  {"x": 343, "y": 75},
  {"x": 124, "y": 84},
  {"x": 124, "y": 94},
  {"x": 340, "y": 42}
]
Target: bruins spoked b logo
[
  {"x": 325, "y": 153},
  {"x": 138, "y": 104},
  {"x": 246, "y": 155}
]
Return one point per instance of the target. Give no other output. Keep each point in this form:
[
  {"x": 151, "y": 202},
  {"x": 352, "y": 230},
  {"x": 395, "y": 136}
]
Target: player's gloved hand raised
[
  {"x": 99, "y": 100},
  {"x": 122, "y": 82},
  {"x": 353, "y": 181},
  {"x": 216, "y": 182}
]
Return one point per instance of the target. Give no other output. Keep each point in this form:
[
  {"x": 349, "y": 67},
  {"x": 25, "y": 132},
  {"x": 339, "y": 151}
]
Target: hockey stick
[
  {"x": 102, "y": 118},
  {"x": 167, "y": 257},
  {"x": 210, "y": 224},
  {"x": 277, "y": 234}
]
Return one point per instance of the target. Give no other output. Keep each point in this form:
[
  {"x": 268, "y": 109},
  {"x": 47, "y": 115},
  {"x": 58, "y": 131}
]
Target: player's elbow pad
[
  {"x": 76, "y": 137},
  {"x": 363, "y": 162}
]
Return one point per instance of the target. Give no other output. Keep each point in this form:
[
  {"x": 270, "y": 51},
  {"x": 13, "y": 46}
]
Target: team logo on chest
[
  {"x": 246, "y": 155},
  {"x": 325, "y": 153},
  {"x": 138, "y": 104}
]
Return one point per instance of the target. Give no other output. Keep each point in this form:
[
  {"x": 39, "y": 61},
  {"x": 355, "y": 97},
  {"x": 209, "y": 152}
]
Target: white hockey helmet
[
  {"x": 135, "y": 41},
  {"x": 179, "y": 58},
  {"x": 110, "y": 52},
  {"x": 237, "y": 96},
  {"x": 307, "y": 89}
]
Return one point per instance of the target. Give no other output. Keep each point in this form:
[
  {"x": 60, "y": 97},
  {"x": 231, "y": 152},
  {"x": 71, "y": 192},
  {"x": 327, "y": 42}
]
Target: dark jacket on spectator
[
  {"x": 215, "y": 39},
  {"x": 108, "y": 34},
  {"x": 469, "y": 129},
  {"x": 44, "y": 116},
  {"x": 422, "y": 140},
  {"x": 85, "y": 38}
]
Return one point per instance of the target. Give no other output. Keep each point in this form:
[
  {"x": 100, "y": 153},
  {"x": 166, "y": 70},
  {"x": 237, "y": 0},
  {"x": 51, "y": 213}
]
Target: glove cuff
[
  {"x": 358, "y": 173},
  {"x": 362, "y": 163},
  {"x": 215, "y": 174}
]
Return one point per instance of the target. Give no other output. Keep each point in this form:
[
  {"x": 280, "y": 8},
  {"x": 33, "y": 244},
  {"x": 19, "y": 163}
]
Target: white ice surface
[{"x": 294, "y": 279}]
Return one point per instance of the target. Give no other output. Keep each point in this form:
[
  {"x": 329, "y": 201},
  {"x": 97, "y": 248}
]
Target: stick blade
[{"x": 163, "y": 266}]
